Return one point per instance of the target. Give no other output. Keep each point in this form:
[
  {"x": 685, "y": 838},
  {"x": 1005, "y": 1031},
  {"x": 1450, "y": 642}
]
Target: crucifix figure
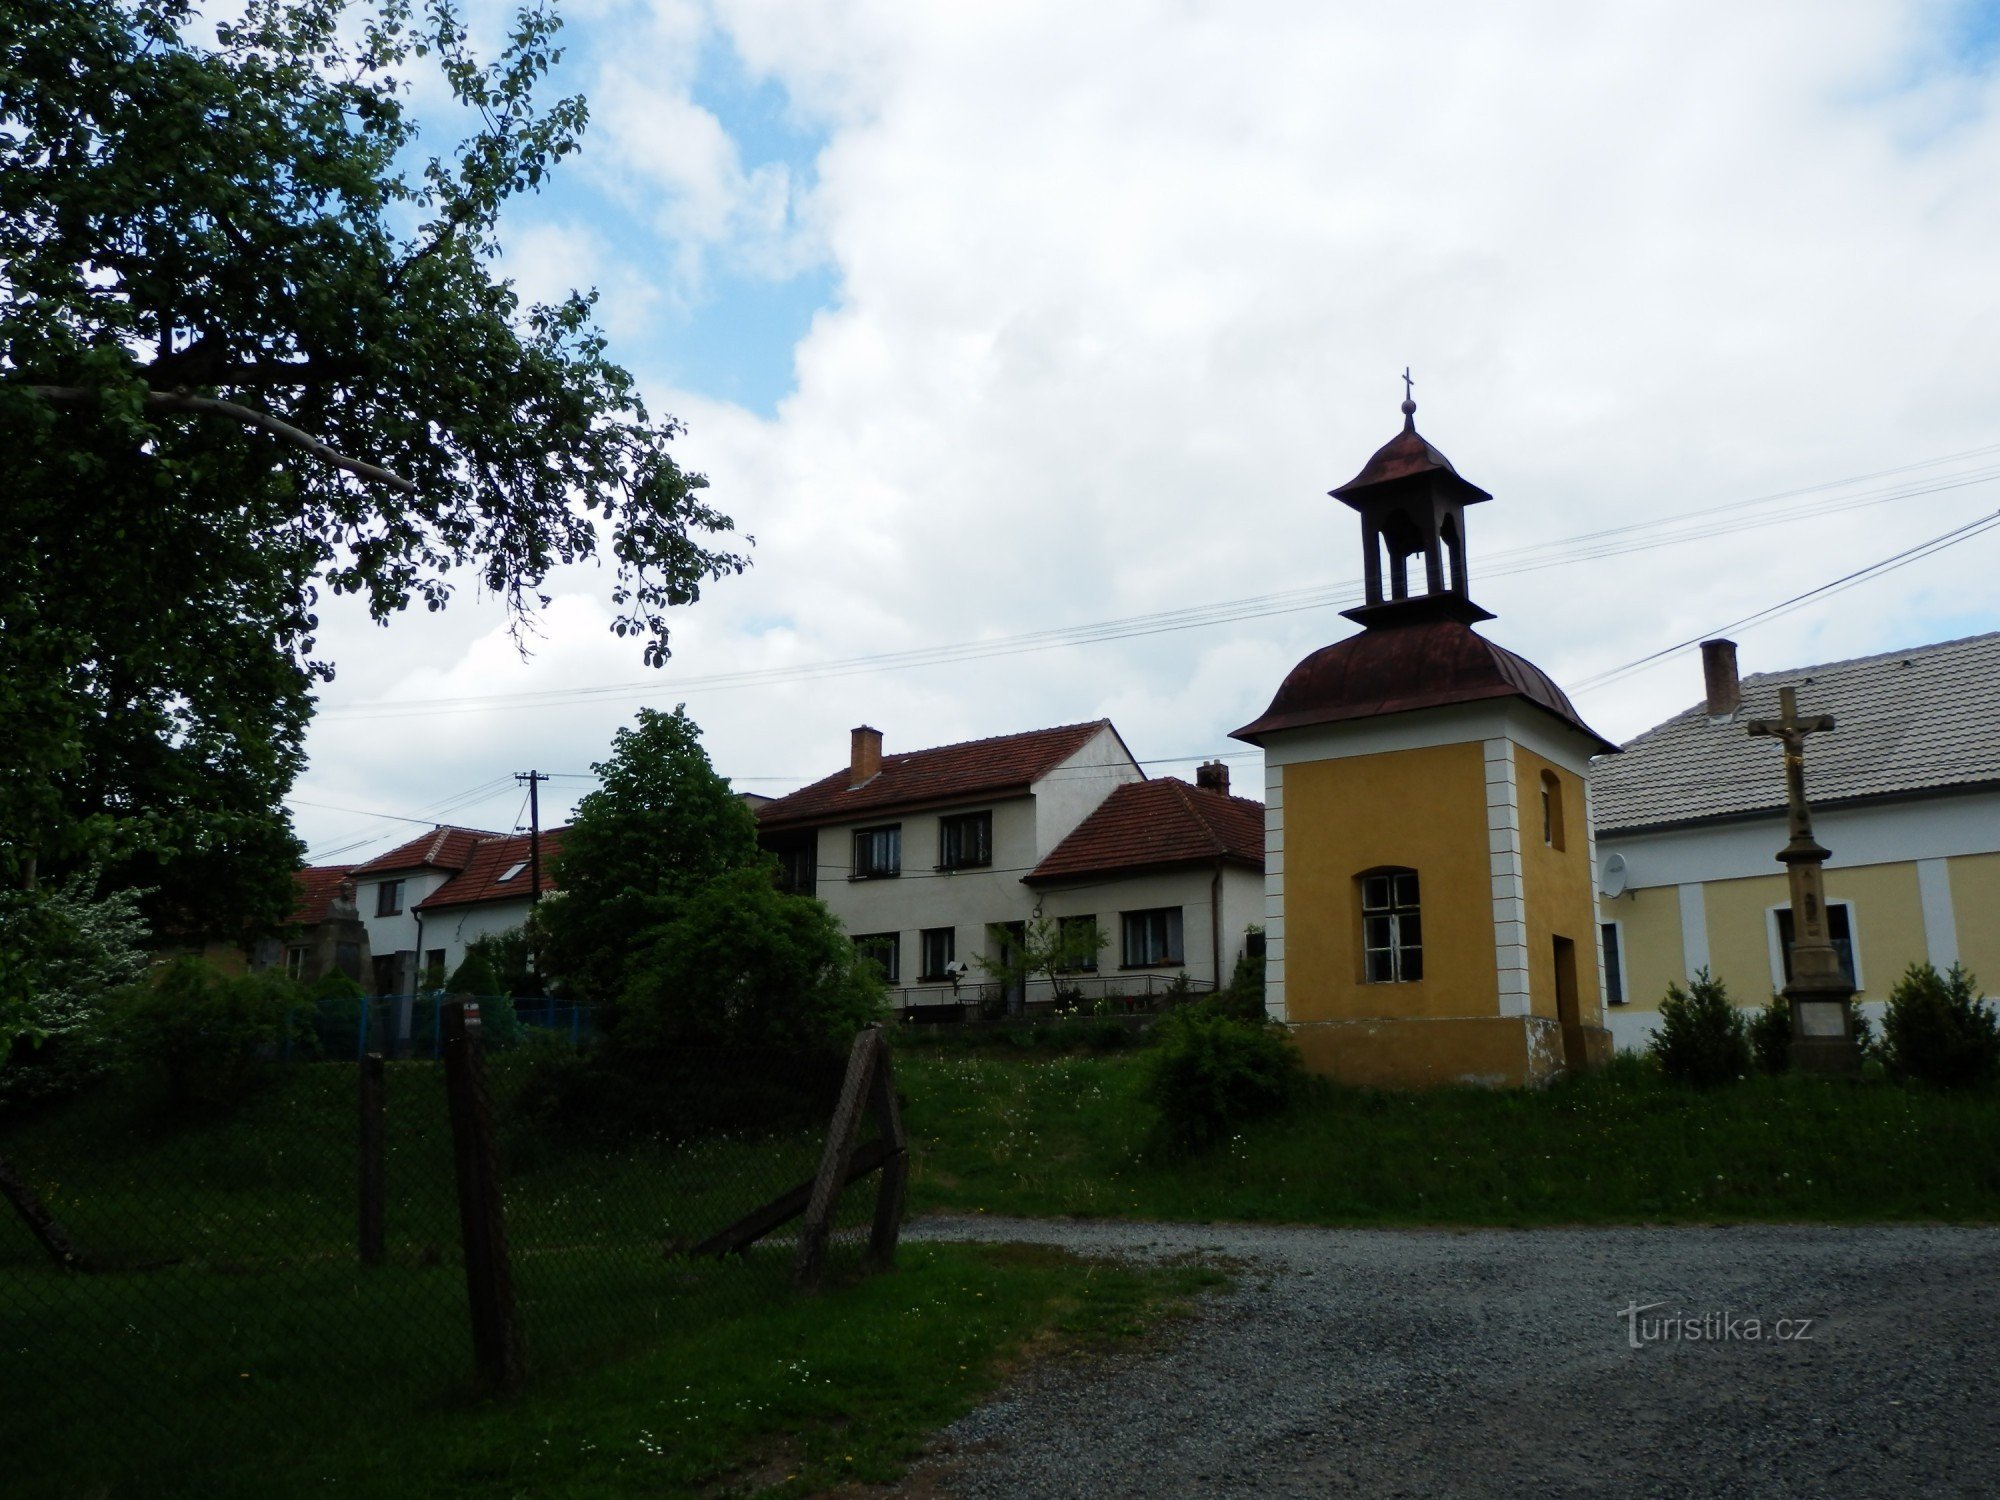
[{"x": 1823, "y": 1038}]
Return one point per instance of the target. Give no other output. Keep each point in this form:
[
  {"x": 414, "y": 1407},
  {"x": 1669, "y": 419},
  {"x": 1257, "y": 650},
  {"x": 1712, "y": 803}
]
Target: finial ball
[{"x": 1409, "y": 407}]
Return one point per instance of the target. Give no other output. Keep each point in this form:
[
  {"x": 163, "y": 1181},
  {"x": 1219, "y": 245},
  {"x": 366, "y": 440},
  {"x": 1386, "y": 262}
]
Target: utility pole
[{"x": 534, "y": 780}]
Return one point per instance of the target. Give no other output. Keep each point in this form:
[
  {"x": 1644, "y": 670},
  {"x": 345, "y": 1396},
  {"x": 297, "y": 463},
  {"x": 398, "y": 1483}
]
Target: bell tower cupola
[{"x": 1412, "y": 505}]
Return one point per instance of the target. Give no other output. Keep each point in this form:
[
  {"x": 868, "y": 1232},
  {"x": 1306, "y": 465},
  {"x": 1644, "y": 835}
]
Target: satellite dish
[{"x": 1611, "y": 876}]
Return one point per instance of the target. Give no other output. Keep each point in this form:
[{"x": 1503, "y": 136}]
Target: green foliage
[
  {"x": 1046, "y": 948},
  {"x": 1702, "y": 1039},
  {"x": 212, "y": 1042},
  {"x": 254, "y": 344},
  {"x": 1937, "y": 1030},
  {"x": 1208, "y": 1074},
  {"x": 63, "y": 953},
  {"x": 660, "y": 824},
  {"x": 741, "y": 965},
  {"x": 1770, "y": 1035},
  {"x": 508, "y": 960},
  {"x": 474, "y": 974}
]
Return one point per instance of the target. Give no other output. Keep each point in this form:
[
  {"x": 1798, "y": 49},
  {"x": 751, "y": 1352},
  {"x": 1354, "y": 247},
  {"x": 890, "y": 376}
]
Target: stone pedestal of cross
[{"x": 1823, "y": 1039}]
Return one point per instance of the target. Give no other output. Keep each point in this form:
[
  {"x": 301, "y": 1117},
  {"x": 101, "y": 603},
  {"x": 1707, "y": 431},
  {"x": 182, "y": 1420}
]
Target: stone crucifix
[{"x": 1823, "y": 1039}]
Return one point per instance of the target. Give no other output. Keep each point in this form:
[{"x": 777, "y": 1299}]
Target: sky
[{"x": 989, "y": 320}]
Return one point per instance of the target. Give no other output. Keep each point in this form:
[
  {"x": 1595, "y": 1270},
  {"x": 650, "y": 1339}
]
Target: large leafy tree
[
  {"x": 252, "y": 347},
  {"x": 660, "y": 824}
]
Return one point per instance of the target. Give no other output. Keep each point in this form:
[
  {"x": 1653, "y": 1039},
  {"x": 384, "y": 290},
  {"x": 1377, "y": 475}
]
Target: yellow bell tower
[{"x": 1429, "y": 871}]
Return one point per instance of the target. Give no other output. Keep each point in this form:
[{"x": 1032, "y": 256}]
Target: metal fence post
[
  {"x": 374, "y": 1141},
  {"x": 489, "y": 1278}
]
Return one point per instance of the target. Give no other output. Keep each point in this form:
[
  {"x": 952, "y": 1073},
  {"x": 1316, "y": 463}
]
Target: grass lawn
[
  {"x": 231, "y": 1344},
  {"x": 1034, "y": 1134},
  {"x": 782, "y": 1396}
]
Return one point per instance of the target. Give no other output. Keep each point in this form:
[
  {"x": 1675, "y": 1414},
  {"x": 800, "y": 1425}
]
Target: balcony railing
[{"x": 1037, "y": 999}]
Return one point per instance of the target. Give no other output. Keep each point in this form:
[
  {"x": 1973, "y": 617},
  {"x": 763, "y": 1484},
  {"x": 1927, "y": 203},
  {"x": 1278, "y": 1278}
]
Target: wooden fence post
[
  {"x": 489, "y": 1277},
  {"x": 809, "y": 1260},
  {"x": 374, "y": 1144},
  {"x": 895, "y": 1166},
  {"x": 43, "y": 1225}
]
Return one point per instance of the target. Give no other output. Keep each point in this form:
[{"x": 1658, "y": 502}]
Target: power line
[
  {"x": 1697, "y": 525},
  {"x": 1939, "y": 543}
]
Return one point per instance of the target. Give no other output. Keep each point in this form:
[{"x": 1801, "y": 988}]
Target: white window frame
[
  {"x": 1395, "y": 909},
  {"x": 1777, "y": 946},
  {"x": 929, "y": 974},
  {"x": 892, "y": 971},
  {"x": 1175, "y": 933},
  {"x": 1615, "y": 972},
  {"x": 297, "y": 958},
  {"x": 875, "y": 831}
]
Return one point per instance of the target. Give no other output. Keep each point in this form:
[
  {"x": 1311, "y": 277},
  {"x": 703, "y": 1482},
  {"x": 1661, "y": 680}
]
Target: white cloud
[{"x": 1124, "y": 290}]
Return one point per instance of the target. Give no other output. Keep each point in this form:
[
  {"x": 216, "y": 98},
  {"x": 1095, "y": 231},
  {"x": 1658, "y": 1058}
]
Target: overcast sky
[{"x": 991, "y": 319}]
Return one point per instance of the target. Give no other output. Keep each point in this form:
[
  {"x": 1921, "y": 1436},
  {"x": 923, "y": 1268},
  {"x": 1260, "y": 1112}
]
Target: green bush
[
  {"x": 1938, "y": 1031},
  {"x": 474, "y": 975},
  {"x": 1702, "y": 1039},
  {"x": 63, "y": 953},
  {"x": 1770, "y": 1033},
  {"x": 210, "y": 1040},
  {"x": 1207, "y": 1074}
]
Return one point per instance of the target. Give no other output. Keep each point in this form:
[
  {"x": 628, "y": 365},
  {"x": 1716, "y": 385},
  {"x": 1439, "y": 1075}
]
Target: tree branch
[{"x": 73, "y": 395}]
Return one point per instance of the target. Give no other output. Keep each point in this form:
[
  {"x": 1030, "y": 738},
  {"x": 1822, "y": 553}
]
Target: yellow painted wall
[
  {"x": 1887, "y": 915},
  {"x": 1650, "y": 926},
  {"x": 1559, "y": 897},
  {"x": 1424, "y": 809},
  {"x": 1975, "y": 904}
]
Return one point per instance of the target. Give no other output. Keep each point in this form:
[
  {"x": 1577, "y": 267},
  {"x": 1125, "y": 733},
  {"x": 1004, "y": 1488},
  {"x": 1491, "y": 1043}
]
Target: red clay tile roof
[
  {"x": 491, "y": 858},
  {"x": 315, "y": 886},
  {"x": 443, "y": 848},
  {"x": 1008, "y": 763},
  {"x": 1163, "y": 822}
]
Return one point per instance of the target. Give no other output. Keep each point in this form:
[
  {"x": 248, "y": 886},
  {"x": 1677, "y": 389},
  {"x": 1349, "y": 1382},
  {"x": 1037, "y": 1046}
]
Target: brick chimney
[
  {"x": 1718, "y": 670},
  {"x": 864, "y": 761},
  {"x": 1213, "y": 777}
]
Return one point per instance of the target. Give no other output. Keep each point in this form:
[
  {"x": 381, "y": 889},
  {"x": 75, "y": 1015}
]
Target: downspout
[
  {"x": 1215, "y": 924},
  {"x": 419, "y": 966}
]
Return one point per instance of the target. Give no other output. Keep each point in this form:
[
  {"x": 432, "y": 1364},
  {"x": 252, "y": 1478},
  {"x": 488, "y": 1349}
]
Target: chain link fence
[{"x": 319, "y": 1260}]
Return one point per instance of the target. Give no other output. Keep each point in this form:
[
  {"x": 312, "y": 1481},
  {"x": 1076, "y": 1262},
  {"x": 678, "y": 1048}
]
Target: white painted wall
[
  {"x": 1885, "y": 833},
  {"x": 455, "y": 928},
  {"x": 1073, "y": 790},
  {"x": 388, "y": 936}
]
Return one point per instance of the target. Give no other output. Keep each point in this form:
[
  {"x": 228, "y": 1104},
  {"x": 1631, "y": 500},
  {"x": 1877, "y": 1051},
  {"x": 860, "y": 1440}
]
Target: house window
[
  {"x": 878, "y": 852},
  {"x": 389, "y": 898},
  {"x": 940, "y": 947},
  {"x": 1552, "y": 810},
  {"x": 1614, "y": 962},
  {"x": 296, "y": 960},
  {"x": 434, "y": 969},
  {"x": 1152, "y": 937},
  {"x": 799, "y": 871},
  {"x": 511, "y": 871},
  {"x": 965, "y": 841},
  {"x": 1392, "y": 934},
  {"x": 885, "y": 951},
  {"x": 1077, "y": 938},
  {"x": 1839, "y": 930}
]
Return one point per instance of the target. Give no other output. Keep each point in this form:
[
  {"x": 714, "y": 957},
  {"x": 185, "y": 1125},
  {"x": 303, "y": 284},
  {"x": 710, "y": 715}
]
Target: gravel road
[{"x": 1377, "y": 1362}]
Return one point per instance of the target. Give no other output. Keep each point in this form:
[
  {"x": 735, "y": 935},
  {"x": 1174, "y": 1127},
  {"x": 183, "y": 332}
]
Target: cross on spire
[{"x": 1407, "y": 384}]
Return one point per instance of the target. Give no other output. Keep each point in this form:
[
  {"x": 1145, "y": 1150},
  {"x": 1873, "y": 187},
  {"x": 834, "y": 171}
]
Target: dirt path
[{"x": 1502, "y": 1363}]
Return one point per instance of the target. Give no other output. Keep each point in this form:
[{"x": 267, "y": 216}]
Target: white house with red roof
[{"x": 936, "y": 859}]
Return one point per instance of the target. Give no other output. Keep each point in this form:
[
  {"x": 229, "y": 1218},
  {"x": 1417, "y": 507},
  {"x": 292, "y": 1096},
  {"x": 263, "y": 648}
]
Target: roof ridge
[
  {"x": 1901, "y": 654},
  {"x": 1019, "y": 734}
]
